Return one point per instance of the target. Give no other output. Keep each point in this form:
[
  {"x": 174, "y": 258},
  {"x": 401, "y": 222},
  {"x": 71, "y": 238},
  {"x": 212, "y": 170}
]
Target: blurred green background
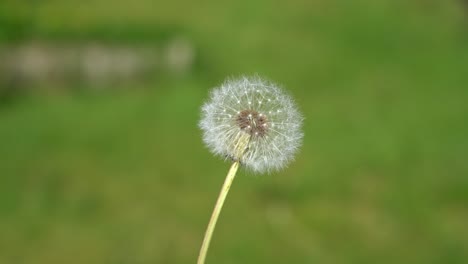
[{"x": 101, "y": 160}]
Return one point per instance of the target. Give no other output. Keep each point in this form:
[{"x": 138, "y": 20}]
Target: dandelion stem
[{"x": 214, "y": 217}]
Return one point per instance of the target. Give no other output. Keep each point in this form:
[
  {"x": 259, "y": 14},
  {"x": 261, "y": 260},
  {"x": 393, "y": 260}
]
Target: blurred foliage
[{"x": 120, "y": 175}]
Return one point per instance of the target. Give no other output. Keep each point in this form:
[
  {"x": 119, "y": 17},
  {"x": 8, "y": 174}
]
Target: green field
[{"x": 91, "y": 175}]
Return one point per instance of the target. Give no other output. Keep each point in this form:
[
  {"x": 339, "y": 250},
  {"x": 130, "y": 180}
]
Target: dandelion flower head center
[{"x": 252, "y": 122}]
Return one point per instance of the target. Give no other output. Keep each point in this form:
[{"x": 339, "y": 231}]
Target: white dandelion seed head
[{"x": 252, "y": 121}]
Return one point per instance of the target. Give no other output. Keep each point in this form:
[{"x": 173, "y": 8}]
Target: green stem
[{"x": 214, "y": 217}]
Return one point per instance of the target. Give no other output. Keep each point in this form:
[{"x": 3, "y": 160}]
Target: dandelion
[{"x": 253, "y": 123}]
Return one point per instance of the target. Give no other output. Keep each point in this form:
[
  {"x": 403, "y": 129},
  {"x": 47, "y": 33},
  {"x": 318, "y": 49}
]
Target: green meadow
[{"x": 116, "y": 172}]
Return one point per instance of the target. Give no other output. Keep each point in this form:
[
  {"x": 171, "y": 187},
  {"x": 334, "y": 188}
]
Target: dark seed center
[{"x": 252, "y": 123}]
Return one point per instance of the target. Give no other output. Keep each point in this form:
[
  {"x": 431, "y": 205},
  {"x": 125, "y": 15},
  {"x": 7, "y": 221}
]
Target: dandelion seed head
[{"x": 252, "y": 121}]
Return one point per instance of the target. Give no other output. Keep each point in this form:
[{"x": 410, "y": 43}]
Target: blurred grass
[{"x": 122, "y": 177}]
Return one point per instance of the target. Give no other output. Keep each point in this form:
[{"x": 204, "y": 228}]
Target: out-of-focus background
[{"x": 101, "y": 160}]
